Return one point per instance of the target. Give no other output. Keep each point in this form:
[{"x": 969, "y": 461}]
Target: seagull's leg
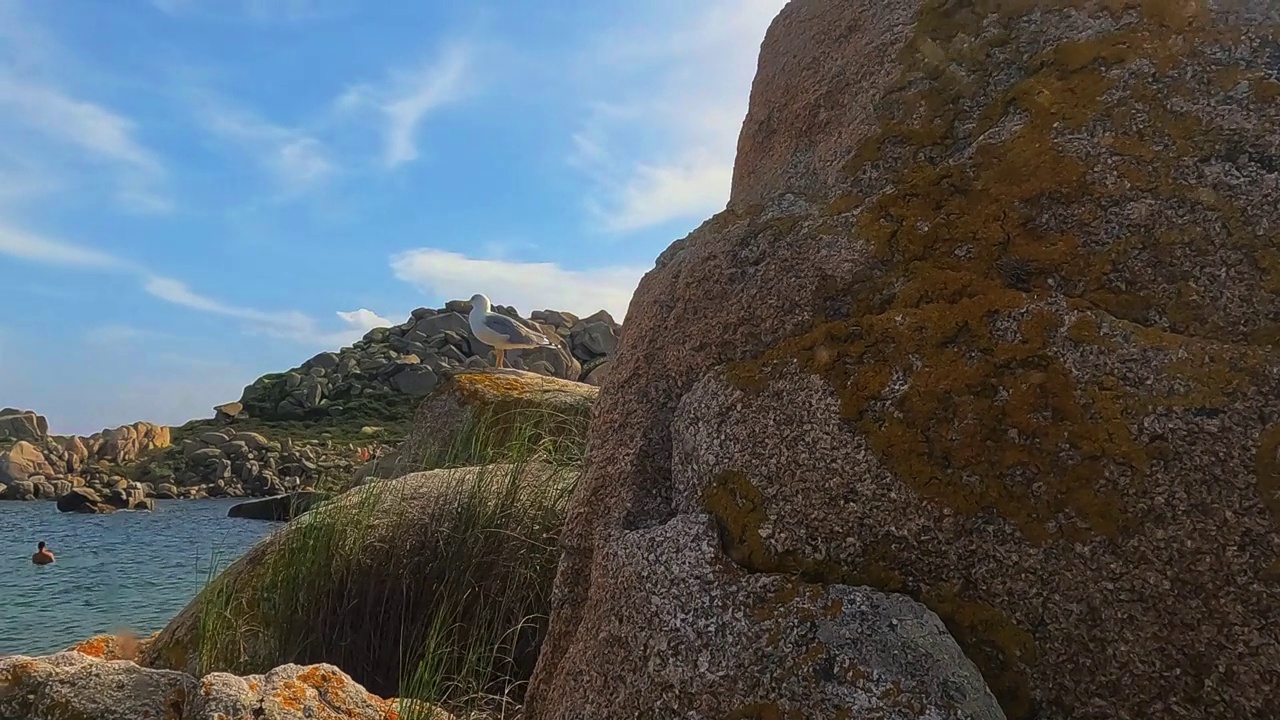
[{"x": 499, "y": 351}]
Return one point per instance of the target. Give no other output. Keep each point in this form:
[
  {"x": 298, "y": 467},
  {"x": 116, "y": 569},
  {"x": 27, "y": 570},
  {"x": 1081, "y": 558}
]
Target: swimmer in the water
[{"x": 42, "y": 556}]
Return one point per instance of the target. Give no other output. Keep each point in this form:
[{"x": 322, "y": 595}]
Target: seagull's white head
[{"x": 480, "y": 301}]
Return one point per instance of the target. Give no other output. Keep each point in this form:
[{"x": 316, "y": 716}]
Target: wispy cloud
[
  {"x": 528, "y": 286},
  {"x": 178, "y": 293},
  {"x": 659, "y": 144},
  {"x": 292, "y": 325},
  {"x": 17, "y": 243},
  {"x": 405, "y": 100},
  {"x": 294, "y": 158},
  {"x": 52, "y": 138},
  {"x": 93, "y": 128}
]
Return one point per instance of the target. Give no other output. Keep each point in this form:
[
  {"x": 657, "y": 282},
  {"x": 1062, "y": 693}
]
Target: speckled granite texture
[{"x": 992, "y": 321}]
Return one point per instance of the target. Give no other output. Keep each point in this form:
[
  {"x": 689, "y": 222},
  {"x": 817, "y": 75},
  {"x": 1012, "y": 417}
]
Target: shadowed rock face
[{"x": 1003, "y": 337}]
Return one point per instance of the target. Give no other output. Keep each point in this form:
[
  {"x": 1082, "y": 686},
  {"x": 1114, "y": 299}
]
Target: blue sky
[{"x": 197, "y": 192}]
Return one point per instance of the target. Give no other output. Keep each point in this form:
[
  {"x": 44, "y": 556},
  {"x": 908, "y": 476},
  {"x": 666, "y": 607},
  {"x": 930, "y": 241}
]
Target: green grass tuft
[{"x": 435, "y": 589}]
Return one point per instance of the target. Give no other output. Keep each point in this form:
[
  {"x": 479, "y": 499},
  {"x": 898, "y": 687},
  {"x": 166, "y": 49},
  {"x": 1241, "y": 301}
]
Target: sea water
[{"x": 127, "y": 571}]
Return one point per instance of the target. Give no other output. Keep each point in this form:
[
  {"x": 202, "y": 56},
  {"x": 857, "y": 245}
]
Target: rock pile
[
  {"x": 43, "y": 466},
  {"x": 395, "y": 365},
  {"x": 1002, "y": 339},
  {"x": 230, "y": 463},
  {"x": 128, "y": 467}
]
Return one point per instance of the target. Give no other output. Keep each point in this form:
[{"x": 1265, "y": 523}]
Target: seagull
[{"x": 500, "y": 331}]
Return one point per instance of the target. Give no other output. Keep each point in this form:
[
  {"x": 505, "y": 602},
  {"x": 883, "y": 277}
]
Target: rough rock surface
[
  {"x": 1003, "y": 337},
  {"x": 22, "y": 425},
  {"x": 77, "y": 686},
  {"x": 467, "y": 398}
]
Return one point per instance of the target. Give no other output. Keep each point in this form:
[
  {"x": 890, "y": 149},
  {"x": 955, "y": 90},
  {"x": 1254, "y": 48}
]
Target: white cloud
[
  {"x": 77, "y": 130},
  {"x": 177, "y": 292},
  {"x": 406, "y": 99},
  {"x": 659, "y": 141},
  {"x": 527, "y": 286},
  {"x": 289, "y": 325},
  {"x": 292, "y": 325},
  {"x": 34, "y": 248},
  {"x": 363, "y": 320},
  {"x": 295, "y": 159}
]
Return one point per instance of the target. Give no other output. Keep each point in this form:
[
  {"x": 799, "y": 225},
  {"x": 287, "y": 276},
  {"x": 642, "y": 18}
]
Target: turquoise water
[{"x": 125, "y": 571}]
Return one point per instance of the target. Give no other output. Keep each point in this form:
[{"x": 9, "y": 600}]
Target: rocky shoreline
[{"x": 308, "y": 428}]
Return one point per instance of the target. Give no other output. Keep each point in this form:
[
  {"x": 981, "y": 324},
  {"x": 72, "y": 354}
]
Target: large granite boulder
[
  {"x": 23, "y": 425},
  {"x": 75, "y": 686},
  {"x": 128, "y": 442},
  {"x": 1003, "y": 337},
  {"x": 22, "y": 462}
]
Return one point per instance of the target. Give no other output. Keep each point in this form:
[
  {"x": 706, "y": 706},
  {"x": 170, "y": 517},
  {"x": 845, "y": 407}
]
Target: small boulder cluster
[
  {"x": 397, "y": 365},
  {"x": 230, "y": 463},
  {"x": 130, "y": 467},
  {"x": 35, "y": 465}
]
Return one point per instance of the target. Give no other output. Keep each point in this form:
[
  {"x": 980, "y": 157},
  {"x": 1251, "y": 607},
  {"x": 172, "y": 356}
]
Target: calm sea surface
[{"x": 124, "y": 571}]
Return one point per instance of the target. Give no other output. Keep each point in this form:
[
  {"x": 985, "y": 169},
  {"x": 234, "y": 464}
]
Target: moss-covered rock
[
  {"x": 507, "y": 407},
  {"x": 1002, "y": 336}
]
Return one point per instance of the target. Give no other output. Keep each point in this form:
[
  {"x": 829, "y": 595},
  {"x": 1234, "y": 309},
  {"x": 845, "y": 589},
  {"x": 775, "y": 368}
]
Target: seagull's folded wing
[{"x": 514, "y": 332}]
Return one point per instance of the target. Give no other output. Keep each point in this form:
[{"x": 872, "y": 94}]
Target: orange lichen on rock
[
  {"x": 118, "y": 646},
  {"x": 98, "y": 646}
]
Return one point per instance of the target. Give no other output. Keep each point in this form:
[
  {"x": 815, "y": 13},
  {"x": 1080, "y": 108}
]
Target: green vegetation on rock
[{"x": 434, "y": 586}]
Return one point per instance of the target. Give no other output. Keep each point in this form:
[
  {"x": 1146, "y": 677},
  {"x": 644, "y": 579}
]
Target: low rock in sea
[
  {"x": 280, "y": 508},
  {"x": 84, "y": 500}
]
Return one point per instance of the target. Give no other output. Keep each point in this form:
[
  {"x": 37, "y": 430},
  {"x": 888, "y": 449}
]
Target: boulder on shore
[{"x": 996, "y": 326}]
